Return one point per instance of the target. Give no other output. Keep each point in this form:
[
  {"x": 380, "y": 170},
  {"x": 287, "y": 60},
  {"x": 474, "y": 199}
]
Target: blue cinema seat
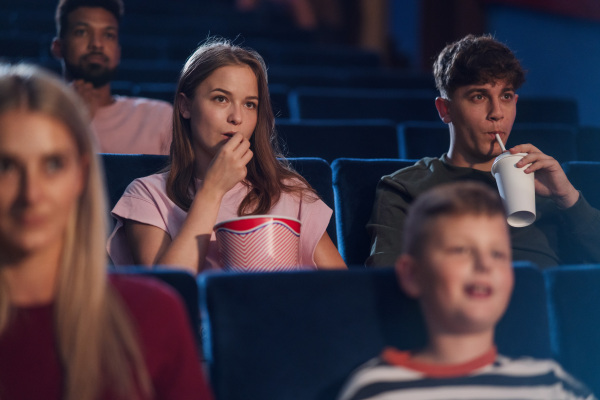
[
  {"x": 574, "y": 301},
  {"x": 584, "y": 176},
  {"x": 279, "y": 100},
  {"x": 308, "y": 54},
  {"x": 331, "y": 139},
  {"x": 431, "y": 139},
  {"x": 121, "y": 169},
  {"x": 418, "y": 139},
  {"x": 164, "y": 91},
  {"x": 349, "y": 77},
  {"x": 143, "y": 71},
  {"x": 547, "y": 110},
  {"x": 345, "y": 103},
  {"x": 354, "y": 184},
  {"x": 298, "y": 335},
  {"x": 588, "y": 143}
]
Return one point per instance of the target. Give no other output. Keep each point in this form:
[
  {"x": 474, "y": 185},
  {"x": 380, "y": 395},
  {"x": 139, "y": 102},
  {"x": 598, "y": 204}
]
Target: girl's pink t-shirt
[{"x": 145, "y": 200}]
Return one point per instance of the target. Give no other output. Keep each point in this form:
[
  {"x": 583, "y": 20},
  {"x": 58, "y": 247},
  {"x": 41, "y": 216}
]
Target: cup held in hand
[
  {"x": 259, "y": 243},
  {"x": 516, "y": 188}
]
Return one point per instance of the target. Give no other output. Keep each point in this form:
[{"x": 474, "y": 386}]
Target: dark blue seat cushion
[
  {"x": 336, "y": 103},
  {"x": 331, "y": 139},
  {"x": 584, "y": 176},
  {"x": 547, "y": 110},
  {"x": 299, "y": 335},
  {"x": 354, "y": 184},
  {"x": 121, "y": 169},
  {"x": 588, "y": 143},
  {"x": 574, "y": 301}
]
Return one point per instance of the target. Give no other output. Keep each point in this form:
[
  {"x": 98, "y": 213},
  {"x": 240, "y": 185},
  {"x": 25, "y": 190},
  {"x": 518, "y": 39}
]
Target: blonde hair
[{"x": 97, "y": 343}]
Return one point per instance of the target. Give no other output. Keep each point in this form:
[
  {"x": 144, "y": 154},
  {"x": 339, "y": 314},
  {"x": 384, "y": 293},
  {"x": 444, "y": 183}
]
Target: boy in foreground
[{"x": 457, "y": 263}]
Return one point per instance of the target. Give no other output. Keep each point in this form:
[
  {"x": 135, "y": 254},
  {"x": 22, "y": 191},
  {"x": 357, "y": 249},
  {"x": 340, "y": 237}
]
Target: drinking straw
[{"x": 500, "y": 142}]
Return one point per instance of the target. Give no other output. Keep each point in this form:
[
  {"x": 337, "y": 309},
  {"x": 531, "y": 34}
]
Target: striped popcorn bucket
[{"x": 259, "y": 243}]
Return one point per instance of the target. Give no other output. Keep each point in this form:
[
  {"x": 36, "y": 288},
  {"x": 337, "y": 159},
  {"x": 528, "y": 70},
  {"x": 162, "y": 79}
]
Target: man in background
[{"x": 87, "y": 43}]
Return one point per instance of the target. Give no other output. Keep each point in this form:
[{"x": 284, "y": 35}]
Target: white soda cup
[{"x": 516, "y": 188}]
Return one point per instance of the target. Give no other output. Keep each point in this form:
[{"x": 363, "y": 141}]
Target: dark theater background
[
  {"x": 352, "y": 90},
  {"x": 557, "y": 41}
]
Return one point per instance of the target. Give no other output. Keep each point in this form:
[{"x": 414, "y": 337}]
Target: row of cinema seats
[
  {"x": 26, "y": 33},
  {"x": 298, "y": 335},
  {"x": 403, "y": 105},
  {"x": 400, "y": 101},
  {"x": 346, "y": 185},
  {"x": 332, "y": 123},
  {"x": 333, "y": 139}
]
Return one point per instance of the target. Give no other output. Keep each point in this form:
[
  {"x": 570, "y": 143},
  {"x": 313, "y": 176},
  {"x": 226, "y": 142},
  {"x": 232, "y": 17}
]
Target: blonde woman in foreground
[{"x": 67, "y": 330}]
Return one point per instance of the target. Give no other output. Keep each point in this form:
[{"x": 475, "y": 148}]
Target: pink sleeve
[
  {"x": 140, "y": 203},
  {"x": 315, "y": 216}
]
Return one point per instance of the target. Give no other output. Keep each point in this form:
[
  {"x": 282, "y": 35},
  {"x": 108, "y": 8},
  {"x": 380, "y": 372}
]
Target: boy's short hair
[
  {"x": 476, "y": 60},
  {"x": 449, "y": 199},
  {"x": 66, "y": 7}
]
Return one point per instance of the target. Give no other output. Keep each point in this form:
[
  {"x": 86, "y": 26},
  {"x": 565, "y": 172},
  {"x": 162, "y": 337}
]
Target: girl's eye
[
  {"x": 220, "y": 99},
  {"x": 252, "y": 105}
]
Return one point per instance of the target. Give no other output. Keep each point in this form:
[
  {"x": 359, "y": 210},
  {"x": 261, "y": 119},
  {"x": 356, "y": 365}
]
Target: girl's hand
[
  {"x": 228, "y": 167},
  {"x": 550, "y": 179}
]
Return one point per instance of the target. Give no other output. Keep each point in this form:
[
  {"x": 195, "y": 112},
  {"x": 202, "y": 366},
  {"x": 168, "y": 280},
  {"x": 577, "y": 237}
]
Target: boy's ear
[
  {"x": 184, "y": 105},
  {"x": 56, "y": 48},
  {"x": 442, "y": 106},
  {"x": 406, "y": 266}
]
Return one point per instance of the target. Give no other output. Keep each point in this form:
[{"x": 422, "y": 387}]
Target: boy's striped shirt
[{"x": 395, "y": 375}]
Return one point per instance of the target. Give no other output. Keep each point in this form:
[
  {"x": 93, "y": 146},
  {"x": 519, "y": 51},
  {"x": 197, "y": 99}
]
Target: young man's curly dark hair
[{"x": 476, "y": 60}]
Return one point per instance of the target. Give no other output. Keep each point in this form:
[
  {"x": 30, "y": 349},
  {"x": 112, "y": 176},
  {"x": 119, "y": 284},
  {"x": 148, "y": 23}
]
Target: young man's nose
[{"x": 496, "y": 112}]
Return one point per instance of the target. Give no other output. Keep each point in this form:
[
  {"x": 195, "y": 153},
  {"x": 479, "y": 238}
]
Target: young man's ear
[
  {"x": 56, "y": 48},
  {"x": 442, "y": 106},
  {"x": 184, "y": 105},
  {"x": 406, "y": 266}
]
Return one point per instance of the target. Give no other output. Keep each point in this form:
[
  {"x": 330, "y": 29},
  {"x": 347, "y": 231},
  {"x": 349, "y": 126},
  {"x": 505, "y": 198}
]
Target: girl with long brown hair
[{"x": 225, "y": 162}]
